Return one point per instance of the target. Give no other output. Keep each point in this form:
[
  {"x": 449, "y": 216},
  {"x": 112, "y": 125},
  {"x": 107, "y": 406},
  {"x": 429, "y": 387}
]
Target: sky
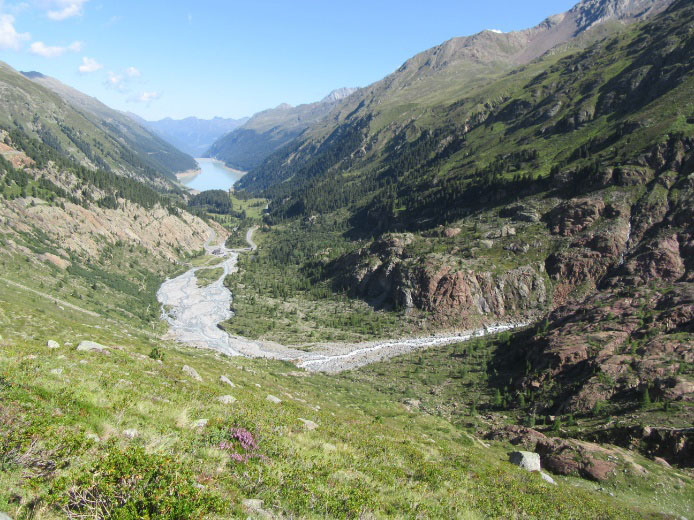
[{"x": 207, "y": 58}]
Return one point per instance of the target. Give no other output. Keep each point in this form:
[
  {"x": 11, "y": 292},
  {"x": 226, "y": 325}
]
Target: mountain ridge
[
  {"x": 268, "y": 130},
  {"x": 454, "y": 70},
  {"x": 561, "y": 189},
  {"x": 86, "y": 130}
]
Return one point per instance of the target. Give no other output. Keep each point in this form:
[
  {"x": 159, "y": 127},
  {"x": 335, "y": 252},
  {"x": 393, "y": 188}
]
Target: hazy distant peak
[
  {"x": 284, "y": 106},
  {"x": 32, "y": 74},
  {"x": 338, "y": 94}
]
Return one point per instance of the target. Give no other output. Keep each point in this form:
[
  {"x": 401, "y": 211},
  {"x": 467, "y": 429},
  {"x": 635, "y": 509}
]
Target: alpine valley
[{"x": 463, "y": 291}]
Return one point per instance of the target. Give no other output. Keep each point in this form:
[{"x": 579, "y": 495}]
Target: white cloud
[
  {"x": 65, "y": 9},
  {"x": 9, "y": 37},
  {"x": 47, "y": 51},
  {"x": 114, "y": 80},
  {"x": 90, "y": 65},
  {"x": 145, "y": 97},
  {"x": 113, "y": 20},
  {"x": 121, "y": 81}
]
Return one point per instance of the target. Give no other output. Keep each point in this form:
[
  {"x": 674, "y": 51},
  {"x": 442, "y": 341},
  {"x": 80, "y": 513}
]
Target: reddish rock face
[
  {"x": 632, "y": 175},
  {"x": 596, "y": 469},
  {"x": 561, "y": 464},
  {"x": 673, "y": 446},
  {"x": 596, "y": 350},
  {"x": 479, "y": 293},
  {"x": 573, "y": 216},
  {"x": 659, "y": 259},
  {"x": 569, "y": 457},
  {"x": 383, "y": 273},
  {"x": 517, "y": 435}
]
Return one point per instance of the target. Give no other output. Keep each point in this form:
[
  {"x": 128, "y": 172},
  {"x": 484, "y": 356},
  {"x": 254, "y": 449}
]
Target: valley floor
[{"x": 194, "y": 312}]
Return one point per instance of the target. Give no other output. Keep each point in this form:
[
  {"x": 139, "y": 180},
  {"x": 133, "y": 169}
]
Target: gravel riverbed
[{"x": 193, "y": 314}]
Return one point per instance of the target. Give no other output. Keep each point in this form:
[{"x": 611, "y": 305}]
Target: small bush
[
  {"x": 157, "y": 353},
  {"x": 132, "y": 484},
  {"x": 241, "y": 444},
  {"x": 598, "y": 408},
  {"x": 645, "y": 398},
  {"x": 556, "y": 426}
]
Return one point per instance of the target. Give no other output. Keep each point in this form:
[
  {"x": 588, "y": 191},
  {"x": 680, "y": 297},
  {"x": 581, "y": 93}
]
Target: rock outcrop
[
  {"x": 385, "y": 275},
  {"x": 191, "y": 372}
]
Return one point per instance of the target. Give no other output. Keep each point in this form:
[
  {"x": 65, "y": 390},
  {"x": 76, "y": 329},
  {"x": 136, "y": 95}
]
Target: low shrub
[{"x": 132, "y": 484}]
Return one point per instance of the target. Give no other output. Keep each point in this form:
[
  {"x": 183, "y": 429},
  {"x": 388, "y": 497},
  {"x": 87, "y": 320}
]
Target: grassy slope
[
  {"x": 463, "y": 382},
  {"x": 368, "y": 454}
]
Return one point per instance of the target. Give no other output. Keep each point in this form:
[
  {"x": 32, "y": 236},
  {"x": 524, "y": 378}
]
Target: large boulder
[
  {"x": 226, "y": 381},
  {"x": 525, "y": 459},
  {"x": 567, "y": 457},
  {"x": 226, "y": 399},
  {"x": 308, "y": 424},
  {"x": 517, "y": 435},
  {"x": 191, "y": 372},
  {"x": 92, "y": 346}
]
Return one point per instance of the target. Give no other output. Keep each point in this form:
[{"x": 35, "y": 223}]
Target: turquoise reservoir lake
[{"x": 213, "y": 176}]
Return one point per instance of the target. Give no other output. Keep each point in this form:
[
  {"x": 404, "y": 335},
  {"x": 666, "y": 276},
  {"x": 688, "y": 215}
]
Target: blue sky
[{"x": 210, "y": 58}]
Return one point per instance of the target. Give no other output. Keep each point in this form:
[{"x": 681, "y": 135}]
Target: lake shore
[
  {"x": 221, "y": 164},
  {"x": 212, "y": 174},
  {"x": 187, "y": 175}
]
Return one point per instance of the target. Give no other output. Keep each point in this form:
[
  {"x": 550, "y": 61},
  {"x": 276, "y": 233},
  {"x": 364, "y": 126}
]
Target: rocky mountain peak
[
  {"x": 338, "y": 94},
  {"x": 521, "y": 47},
  {"x": 589, "y": 13}
]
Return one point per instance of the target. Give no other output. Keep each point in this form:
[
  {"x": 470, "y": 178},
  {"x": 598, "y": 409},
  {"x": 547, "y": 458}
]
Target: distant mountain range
[
  {"x": 191, "y": 135},
  {"x": 268, "y": 131}
]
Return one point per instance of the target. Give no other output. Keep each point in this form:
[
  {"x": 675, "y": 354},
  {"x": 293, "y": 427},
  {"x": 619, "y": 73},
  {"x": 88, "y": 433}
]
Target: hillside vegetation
[{"x": 83, "y": 130}]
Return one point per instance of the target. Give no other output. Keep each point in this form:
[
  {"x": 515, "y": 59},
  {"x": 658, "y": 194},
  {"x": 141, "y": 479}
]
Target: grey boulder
[
  {"x": 527, "y": 460},
  {"x": 92, "y": 346}
]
